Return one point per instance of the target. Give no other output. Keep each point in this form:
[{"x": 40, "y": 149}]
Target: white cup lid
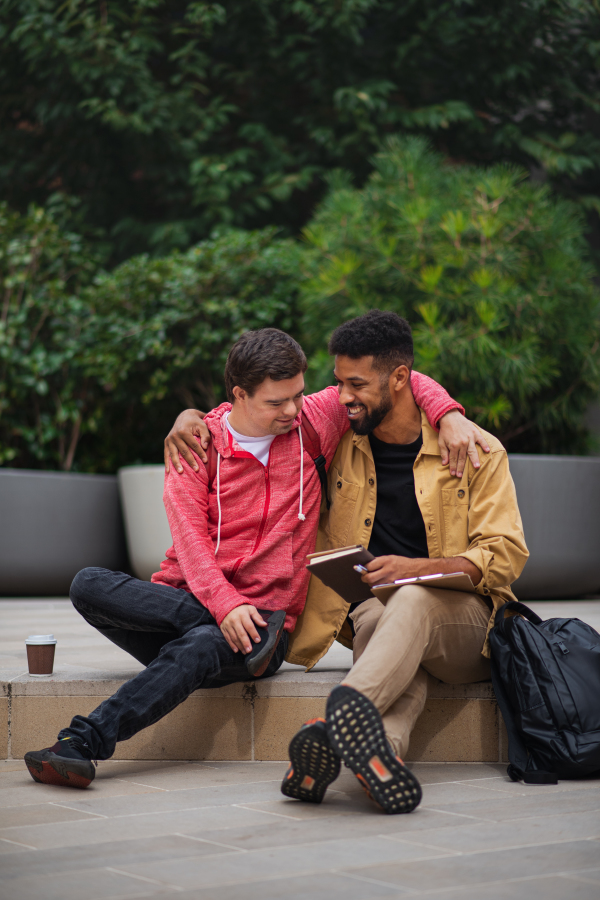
[{"x": 40, "y": 639}]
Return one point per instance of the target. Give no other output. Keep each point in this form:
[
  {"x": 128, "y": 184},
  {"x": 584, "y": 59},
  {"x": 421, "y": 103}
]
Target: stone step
[{"x": 249, "y": 721}]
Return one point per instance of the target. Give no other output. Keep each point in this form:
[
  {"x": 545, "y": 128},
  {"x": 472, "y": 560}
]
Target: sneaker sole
[
  {"x": 314, "y": 766},
  {"x": 60, "y": 771},
  {"x": 259, "y": 664},
  {"x": 356, "y": 733}
]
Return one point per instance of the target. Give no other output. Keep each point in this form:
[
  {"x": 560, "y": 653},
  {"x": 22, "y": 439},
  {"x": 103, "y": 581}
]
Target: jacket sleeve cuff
[
  {"x": 442, "y": 410},
  {"x": 483, "y": 559},
  {"x": 221, "y": 610}
]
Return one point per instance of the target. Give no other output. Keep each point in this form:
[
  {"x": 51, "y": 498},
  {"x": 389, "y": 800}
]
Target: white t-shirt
[{"x": 257, "y": 446}]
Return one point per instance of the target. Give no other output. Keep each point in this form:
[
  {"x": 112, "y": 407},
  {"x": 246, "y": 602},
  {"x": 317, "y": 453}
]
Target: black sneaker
[
  {"x": 64, "y": 764},
  {"x": 261, "y": 654},
  {"x": 314, "y": 765},
  {"x": 356, "y": 734}
]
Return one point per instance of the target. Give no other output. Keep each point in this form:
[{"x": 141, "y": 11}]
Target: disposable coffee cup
[{"x": 40, "y": 654}]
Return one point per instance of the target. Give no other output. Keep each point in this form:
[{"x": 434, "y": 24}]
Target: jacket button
[
  {"x": 335, "y": 634},
  {"x": 371, "y": 482},
  {"x": 367, "y": 522},
  {"x": 339, "y": 484},
  {"x": 461, "y": 494}
]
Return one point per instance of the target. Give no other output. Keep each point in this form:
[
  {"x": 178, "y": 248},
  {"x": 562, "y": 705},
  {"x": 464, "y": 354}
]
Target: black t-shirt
[{"x": 398, "y": 528}]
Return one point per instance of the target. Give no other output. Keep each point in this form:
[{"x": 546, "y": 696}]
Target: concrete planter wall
[
  {"x": 52, "y": 524},
  {"x": 146, "y": 524},
  {"x": 559, "y": 499}
]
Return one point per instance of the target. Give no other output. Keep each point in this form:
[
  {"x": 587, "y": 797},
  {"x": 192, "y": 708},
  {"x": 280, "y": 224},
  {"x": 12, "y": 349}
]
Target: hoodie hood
[{"x": 216, "y": 424}]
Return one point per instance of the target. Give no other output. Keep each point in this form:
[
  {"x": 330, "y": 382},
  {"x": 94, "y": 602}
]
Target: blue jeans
[{"x": 167, "y": 630}]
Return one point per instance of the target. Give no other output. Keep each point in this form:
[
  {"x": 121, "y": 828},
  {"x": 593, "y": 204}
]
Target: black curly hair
[{"x": 385, "y": 336}]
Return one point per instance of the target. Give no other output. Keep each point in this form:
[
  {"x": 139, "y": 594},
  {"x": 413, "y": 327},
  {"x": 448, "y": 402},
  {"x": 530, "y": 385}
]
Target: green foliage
[
  {"x": 163, "y": 328},
  {"x": 44, "y": 392},
  {"x": 92, "y": 374},
  {"x": 492, "y": 273},
  {"x": 489, "y": 268},
  {"x": 166, "y": 118}
]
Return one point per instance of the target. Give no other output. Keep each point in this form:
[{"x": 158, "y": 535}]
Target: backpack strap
[
  {"x": 312, "y": 442},
  {"x": 520, "y": 608}
]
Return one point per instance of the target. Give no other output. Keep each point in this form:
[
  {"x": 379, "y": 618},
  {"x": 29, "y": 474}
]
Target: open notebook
[
  {"x": 335, "y": 568},
  {"x": 456, "y": 581}
]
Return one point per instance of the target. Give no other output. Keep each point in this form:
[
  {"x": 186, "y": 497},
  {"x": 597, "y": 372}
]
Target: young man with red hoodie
[{"x": 234, "y": 582}]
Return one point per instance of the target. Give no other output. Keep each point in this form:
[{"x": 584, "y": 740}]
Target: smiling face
[
  {"x": 364, "y": 391},
  {"x": 271, "y": 409}
]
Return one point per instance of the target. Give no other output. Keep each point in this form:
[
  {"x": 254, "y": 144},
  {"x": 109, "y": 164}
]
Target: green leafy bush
[
  {"x": 164, "y": 327},
  {"x": 45, "y": 395},
  {"x": 93, "y": 371},
  {"x": 492, "y": 273},
  {"x": 166, "y": 118},
  {"x": 489, "y": 268}
]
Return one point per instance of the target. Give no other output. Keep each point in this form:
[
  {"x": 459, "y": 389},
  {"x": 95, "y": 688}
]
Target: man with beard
[{"x": 391, "y": 492}]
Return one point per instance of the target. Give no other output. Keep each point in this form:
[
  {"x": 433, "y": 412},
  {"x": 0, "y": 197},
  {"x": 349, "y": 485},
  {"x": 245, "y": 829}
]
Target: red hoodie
[{"x": 261, "y": 556}]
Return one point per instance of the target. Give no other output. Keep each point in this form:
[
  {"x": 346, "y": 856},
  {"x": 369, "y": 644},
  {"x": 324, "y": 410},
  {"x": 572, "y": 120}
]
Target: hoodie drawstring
[{"x": 301, "y": 515}]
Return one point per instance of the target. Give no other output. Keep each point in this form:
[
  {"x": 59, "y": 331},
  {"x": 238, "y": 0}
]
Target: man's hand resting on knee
[
  {"x": 239, "y": 627},
  {"x": 385, "y": 569}
]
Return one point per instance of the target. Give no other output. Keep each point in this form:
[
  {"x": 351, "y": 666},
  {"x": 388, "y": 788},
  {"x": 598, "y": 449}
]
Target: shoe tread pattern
[
  {"x": 310, "y": 755},
  {"x": 48, "y": 768},
  {"x": 356, "y": 733}
]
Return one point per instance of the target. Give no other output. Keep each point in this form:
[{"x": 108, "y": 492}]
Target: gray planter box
[
  {"x": 52, "y": 524},
  {"x": 146, "y": 523},
  {"x": 559, "y": 499}
]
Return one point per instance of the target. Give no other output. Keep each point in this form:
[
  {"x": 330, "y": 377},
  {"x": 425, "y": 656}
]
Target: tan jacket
[{"x": 476, "y": 517}]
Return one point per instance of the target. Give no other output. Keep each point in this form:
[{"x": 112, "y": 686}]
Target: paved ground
[
  {"x": 222, "y": 830},
  {"x": 202, "y": 831}
]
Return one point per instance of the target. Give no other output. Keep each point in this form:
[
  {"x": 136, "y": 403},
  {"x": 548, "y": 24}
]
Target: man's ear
[
  {"x": 238, "y": 393},
  {"x": 400, "y": 377}
]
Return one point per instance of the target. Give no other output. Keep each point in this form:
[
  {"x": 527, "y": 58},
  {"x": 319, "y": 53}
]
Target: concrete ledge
[{"x": 246, "y": 721}]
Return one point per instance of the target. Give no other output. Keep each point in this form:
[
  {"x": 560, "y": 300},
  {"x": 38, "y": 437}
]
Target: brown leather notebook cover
[
  {"x": 335, "y": 569},
  {"x": 456, "y": 581}
]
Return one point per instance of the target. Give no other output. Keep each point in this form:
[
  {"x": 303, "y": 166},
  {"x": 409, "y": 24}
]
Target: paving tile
[
  {"x": 8, "y": 847},
  {"x": 211, "y": 795},
  {"x": 44, "y": 813},
  {"x": 113, "y": 854},
  {"x": 95, "y": 883},
  {"x": 515, "y": 833},
  {"x": 501, "y": 808},
  {"x": 435, "y": 773},
  {"x": 343, "y": 827},
  {"x": 244, "y": 868},
  {"x": 25, "y": 792},
  {"x": 199, "y": 775},
  {"x": 555, "y": 887},
  {"x": 95, "y": 831},
  {"x": 467, "y": 791},
  {"x": 479, "y": 868},
  {"x": 326, "y": 886}
]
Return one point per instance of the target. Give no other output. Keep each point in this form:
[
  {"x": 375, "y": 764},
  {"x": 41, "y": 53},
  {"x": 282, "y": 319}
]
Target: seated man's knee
[
  {"x": 86, "y": 583},
  {"x": 409, "y": 597}
]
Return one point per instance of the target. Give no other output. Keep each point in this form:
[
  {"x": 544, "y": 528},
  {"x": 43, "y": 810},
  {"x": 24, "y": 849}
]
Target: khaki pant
[{"x": 420, "y": 630}]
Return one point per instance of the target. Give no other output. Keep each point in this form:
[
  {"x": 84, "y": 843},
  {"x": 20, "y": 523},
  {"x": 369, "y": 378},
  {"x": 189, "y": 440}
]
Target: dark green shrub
[
  {"x": 491, "y": 271},
  {"x": 46, "y": 399},
  {"x": 164, "y": 328},
  {"x": 168, "y": 117},
  {"x": 92, "y": 375}
]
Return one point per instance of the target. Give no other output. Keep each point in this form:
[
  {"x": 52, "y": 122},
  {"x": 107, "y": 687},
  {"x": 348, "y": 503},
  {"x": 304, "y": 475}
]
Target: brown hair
[{"x": 258, "y": 355}]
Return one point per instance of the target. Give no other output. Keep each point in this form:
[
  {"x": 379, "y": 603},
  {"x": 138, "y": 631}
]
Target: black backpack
[{"x": 546, "y": 677}]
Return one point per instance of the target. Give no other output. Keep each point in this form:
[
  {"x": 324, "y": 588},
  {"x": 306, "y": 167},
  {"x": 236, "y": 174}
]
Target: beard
[{"x": 371, "y": 419}]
